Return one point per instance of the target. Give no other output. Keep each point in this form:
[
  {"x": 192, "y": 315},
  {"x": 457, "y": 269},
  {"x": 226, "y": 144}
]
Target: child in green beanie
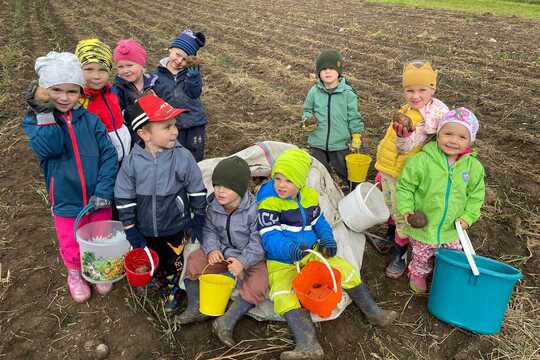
[
  {"x": 331, "y": 105},
  {"x": 291, "y": 221}
]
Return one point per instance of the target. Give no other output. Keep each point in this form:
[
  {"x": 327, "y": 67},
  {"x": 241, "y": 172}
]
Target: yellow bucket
[
  {"x": 357, "y": 167},
  {"x": 215, "y": 292}
]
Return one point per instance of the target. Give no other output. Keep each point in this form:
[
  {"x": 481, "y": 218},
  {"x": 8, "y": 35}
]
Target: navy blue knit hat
[{"x": 189, "y": 42}]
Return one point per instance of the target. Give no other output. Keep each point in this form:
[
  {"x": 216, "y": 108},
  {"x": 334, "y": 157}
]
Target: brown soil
[{"x": 258, "y": 66}]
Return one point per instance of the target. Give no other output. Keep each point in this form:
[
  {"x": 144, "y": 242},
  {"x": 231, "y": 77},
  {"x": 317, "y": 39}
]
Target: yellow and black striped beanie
[{"x": 94, "y": 51}]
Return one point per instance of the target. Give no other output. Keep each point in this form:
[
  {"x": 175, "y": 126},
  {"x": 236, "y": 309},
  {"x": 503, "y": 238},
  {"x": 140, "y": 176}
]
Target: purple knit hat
[
  {"x": 130, "y": 50},
  {"x": 461, "y": 116}
]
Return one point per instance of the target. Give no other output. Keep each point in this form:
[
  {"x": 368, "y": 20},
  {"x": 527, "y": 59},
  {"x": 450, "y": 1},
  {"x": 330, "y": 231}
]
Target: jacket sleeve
[
  {"x": 409, "y": 180},
  {"x": 210, "y": 240},
  {"x": 253, "y": 253},
  {"x": 308, "y": 105},
  {"x": 125, "y": 196},
  {"x": 476, "y": 192},
  {"x": 46, "y": 137},
  {"x": 108, "y": 163},
  {"x": 356, "y": 123},
  {"x": 195, "y": 187},
  {"x": 193, "y": 85},
  {"x": 276, "y": 245},
  {"x": 324, "y": 231}
]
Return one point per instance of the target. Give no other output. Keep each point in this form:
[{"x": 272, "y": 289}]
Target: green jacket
[
  {"x": 443, "y": 193},
  {"x": 337, "y": 116}
]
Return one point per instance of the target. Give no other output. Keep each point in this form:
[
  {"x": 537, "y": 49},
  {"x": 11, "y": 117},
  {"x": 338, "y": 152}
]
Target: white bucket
[{"x": 363, "y": 208}]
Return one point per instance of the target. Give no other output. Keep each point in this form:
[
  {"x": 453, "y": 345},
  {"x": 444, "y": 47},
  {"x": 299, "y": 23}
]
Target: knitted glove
[
  {"x": 135, "y": 238},
  {"x": 99, "y": 203},
  {"x": 401, "y": 131},
  {"x": 328, "y": 248},
  {"x": 195, "y": 226},
  {"x": 36, "y": 98},
  {"x": 193, "y": 64},
  {"x": 356, "y": 142}
]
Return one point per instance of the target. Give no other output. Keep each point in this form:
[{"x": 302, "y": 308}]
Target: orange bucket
[{"x": 318, "y": 287}]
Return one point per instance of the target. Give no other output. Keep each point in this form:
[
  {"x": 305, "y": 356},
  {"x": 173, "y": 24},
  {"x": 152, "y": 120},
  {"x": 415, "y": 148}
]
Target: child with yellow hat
[{"x": 402, "y": 140}]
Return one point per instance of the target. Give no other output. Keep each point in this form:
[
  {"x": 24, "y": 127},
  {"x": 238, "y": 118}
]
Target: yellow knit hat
[
  {"x": 419, "y": 73},
  {"x": 94, "y": 51}
]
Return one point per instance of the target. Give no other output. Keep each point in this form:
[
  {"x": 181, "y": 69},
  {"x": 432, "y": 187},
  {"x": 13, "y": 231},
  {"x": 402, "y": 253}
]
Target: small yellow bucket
[
  {"x": 215, "y": 292},
  {"x": 357, "y": 167}
]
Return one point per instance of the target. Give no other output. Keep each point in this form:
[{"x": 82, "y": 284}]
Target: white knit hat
[{"x": 59, "y": 68}]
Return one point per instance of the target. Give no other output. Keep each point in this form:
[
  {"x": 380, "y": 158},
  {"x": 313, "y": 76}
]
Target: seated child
[
  {"x": 402, "y": 140},
  {"x": 180, "y": 83},
  {"x": 231, "y": 242},
  {"x": 444, "y": 181},
  {"x": 290, "y": 221},
  {"x": 159, "y": 192},
  {"x": 98, "y": 98},
  {"x": 76, "y": 156},
  {"x": 332, "y": 105}
]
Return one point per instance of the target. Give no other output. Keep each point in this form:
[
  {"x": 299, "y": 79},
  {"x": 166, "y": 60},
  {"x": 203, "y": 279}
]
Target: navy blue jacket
[
  {"x": 182, "y": 91},
  {"x": 128, "y": 93},
  {"x": 76, "y": 157}
]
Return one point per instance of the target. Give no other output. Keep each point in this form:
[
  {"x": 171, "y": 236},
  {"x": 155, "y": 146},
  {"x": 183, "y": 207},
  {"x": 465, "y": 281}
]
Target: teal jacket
[
  {"x": 443, "y": 193},
  {"x": 337, "y": 116}
]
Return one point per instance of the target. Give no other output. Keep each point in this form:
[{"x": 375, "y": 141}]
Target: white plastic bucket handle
[
  {"x": 152, "y": 265},
  {"x": 325, "y": 262},
  {"x": 467, "y": 248}
]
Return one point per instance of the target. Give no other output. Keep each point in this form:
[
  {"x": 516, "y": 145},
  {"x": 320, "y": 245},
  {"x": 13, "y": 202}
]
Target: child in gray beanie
[{"x": 76, "y": 156}]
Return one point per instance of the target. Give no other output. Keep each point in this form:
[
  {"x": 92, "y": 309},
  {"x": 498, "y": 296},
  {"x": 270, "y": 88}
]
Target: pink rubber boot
[
  {"x": 104, "y": 288},
  {"x": 78, "y": 288}
]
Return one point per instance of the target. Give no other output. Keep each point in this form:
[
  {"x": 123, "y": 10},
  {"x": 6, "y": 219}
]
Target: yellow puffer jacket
[{"x": 388, "y": 159}]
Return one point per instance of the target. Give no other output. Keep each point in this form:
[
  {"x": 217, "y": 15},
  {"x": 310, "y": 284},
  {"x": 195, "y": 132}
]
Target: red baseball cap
[{"x": 150, "y": 108}]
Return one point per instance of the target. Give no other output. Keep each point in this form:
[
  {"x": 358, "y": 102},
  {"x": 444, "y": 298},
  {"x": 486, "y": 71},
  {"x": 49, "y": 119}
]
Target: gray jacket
[
  {"x": 159, "y": 194},
  {"x": 236, "y": 234}
]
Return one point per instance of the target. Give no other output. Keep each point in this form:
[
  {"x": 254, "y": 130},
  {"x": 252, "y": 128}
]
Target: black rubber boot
[
  {"x": 191, "y": 314},
  {"x": 375, "y": 315},
  {"x": 398, "y": 263},
  {"x": 391, "y": 233},
  {"x": 223, "y": 326},
  {"x": 307, "y": 345}
]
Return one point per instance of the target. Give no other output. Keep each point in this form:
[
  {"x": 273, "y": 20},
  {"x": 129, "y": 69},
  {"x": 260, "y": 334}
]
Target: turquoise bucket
[{"x": 475, "y": 303}]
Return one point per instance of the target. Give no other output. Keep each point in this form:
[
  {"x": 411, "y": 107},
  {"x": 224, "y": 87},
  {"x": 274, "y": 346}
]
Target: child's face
[
  {"x": 129, "y": 70},
  {"x": 225, "y": 196},
  {"x": 453, "y": 139},
  {"x": 418, "y": 96},
  {"x": 64, "y": 96},
  {"x": 329, "y": 78},
  {"x": 284, "y": 187},
  {"x": 177, "y": 59},
  {"x": 159, "y": 135},
  {"x": 96, "y": 75}
]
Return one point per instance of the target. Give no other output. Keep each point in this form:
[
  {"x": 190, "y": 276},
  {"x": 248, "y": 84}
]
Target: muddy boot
[
  {"x": 398, "y": 264},
  {"x": 375, "y": 315},
  {"x": 307, "y": 345},
  {"x": 192, "y": 313},
  {"x": 223, "y": 326}
]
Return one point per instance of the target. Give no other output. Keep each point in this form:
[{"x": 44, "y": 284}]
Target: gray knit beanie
[
  {"x": 232, "y": 173},
  {"x": 59, "y": 68}
]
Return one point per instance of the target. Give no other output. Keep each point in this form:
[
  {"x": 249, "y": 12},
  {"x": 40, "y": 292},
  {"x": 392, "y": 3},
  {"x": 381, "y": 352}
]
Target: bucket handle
[
  {"x": 152, "y": 265},
  {"x": 369, "y": 192},
  {"x": 325, "y": 262},
  {"x": 467, "y": 248},
  {"x": 83, "y": 212}
]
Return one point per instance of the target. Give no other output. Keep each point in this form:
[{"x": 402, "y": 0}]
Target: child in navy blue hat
[{"x": 180, "y": 84}]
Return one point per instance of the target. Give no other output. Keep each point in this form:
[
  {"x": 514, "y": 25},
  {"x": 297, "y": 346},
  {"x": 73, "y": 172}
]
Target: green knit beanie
[
  {"x": 232, "y": 173},
  {"x": 294, "y": 164},
  {"x": 329, "y": 59}
]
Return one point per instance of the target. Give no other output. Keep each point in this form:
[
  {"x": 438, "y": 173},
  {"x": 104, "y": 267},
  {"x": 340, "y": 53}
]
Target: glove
[
  {"x": 193, "y": 66},
  {"x": 36, "y": 98},
  {"x": 328, "y": 248},
  {"x": 195, "y": 226},
  {"x": 99, "y": 203},
  {"x": 297, "y": 253},
  {"x": 192, "y": 71},
  {"x": 356, "y": 142},
  {"x": 401, "y": 131},
  {"x": 135, "y": 238}
]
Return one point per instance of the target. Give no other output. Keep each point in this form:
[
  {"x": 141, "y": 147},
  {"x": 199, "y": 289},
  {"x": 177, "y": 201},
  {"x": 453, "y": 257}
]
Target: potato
[
  {"x": 417, "y": 219},
  {"x": 193, "y": 61},
  {"x": 41, "y": 94},
  {"x": 141, "y": 269},
  {"x": 404, "y": 120}
]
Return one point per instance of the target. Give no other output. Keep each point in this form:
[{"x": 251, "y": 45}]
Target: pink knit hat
[{"x": 130, "y": 50}]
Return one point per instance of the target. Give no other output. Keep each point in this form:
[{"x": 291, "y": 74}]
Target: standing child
[
  {"x": 403, "y": 139},
  {"x": 76, "y": 156},
  {"x": 290, "y": 221},
  {"x": 332, "y": 105},
  {"x": 180, "y": 84},
  {"x": 231, "y": 243},
  {"x": 98, "y": 98},
  {"x": 159, "y": 192},
  {"x": 444, "y": 181}
]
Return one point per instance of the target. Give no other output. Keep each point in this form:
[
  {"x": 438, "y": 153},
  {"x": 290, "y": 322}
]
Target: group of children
[{"x": 135, "y": 145}]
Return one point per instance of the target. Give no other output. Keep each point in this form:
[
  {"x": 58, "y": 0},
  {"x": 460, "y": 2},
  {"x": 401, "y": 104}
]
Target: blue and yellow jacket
[{"x": 286, "y": 224}]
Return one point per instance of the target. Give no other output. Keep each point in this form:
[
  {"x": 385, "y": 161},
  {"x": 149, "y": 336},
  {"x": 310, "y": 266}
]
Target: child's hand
[
  {"x": 406, "y": 216},
  {"x": 235, "y": 266},
  {"x": 309, "y": 124},
  {"x": 215, "y": 257},
  {"x": 463, "y": 224},
  {"x": 356, "y": 142},
  {"x": 401, "y": 130}
]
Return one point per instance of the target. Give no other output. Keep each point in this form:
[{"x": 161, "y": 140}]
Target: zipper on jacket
[
  {"x": 228, "y": 228},
  {"x": 154, "y": 205},
  {"x": 328, "y": 120},
  {"x": 113, "y": 123},
  {"x": 78, "y": 162},
  {"x": 446, "y": 196}
]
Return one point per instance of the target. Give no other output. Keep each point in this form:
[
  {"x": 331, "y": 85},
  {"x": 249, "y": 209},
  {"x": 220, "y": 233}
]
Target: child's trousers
[
  {"x": 281, "y": 276},
  {"x": 193, "y": 139},
  {"x": 421, "y": 264},
  {"x": 252, "y": 287},
  {"x": 332, "y": 159},
  {"x": 69, "y": 247},
  {"x": 388, "y": 184}
]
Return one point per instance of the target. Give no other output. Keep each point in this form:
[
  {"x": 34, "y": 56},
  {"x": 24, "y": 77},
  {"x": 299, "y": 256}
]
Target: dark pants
[
  {"x": 170, "y": 260},
  {"x": 193, "y": 139},
  {"x": 332, "y": 159}
]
